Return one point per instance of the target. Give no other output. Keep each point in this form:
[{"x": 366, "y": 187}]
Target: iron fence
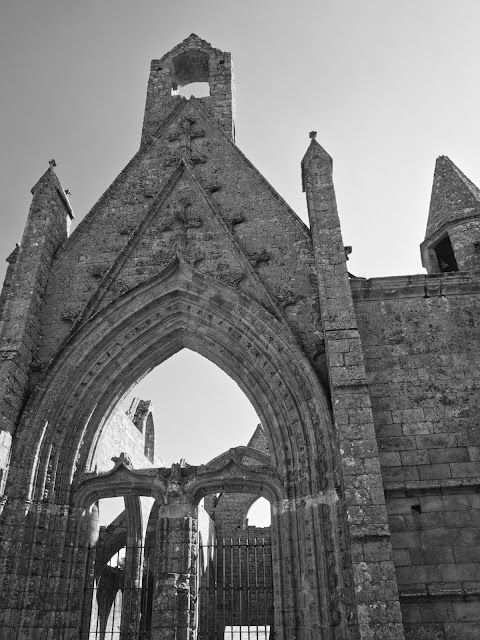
[
  {"x": 118, "y": 602},
  {"x": 235, "y": 590}
]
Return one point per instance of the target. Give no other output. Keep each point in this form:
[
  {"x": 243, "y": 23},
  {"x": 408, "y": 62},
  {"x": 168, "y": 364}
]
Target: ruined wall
[
  {"x": 191, "y": 247},
  {"x": 421, "y": 338},
  {"x": 121, "y": 434}
]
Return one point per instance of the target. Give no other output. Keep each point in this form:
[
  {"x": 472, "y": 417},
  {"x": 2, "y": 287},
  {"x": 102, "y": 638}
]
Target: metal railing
[
  {"x": 235, "y": 590},
  {"x": 116, "y": 601}
]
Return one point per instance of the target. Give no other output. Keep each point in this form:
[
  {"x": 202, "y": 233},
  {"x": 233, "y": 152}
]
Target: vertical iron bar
[
  {"x": 86, "y": 582},
  {"x": 231, "y": 588},
  {"x": 150, "y": 591},
  {"x": 128, "y": 587},
  {"x": 112, "y": 630},
  {"x": 257, "y": 606},
  {"x": 240, "y": 612},
  {"x": 140, "y": 596},
  {"x": 215, "y": 551},
  {"x": 112, "y": 619},
  {"x": 247, "y": 557},
  {"x": 224, "y": 592},
  {"x": 207, "y": 595},
  {"x": 144, "y": 595},
  {"x": 98, "y": 628},
  {"x": 149, "y": 598},
  {"x": 142, "y": 592},
  {"x": 264, "y": 589},
  {"x": 121, "y": 602}
]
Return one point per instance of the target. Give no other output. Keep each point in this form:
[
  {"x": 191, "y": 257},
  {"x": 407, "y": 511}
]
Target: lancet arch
[{"x": 180, "y": 308}]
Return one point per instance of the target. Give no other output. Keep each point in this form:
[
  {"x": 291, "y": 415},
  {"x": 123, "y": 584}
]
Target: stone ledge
[
  {"x": 428, "y": 595},
  {"x": 435, "y": 487},
  {"x": 369, "y": 532},
  {"x": 415, "y": 286}
]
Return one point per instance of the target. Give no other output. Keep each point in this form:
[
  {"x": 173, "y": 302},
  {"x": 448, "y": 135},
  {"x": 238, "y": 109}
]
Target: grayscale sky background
[{"x": 388, "y": 85}]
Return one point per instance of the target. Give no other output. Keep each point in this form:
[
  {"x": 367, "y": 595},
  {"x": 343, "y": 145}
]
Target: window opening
[
  {"x": 259, "y": 514},
  {"x": 445, "y": 256},
  {"x": 109, "y": 509}
]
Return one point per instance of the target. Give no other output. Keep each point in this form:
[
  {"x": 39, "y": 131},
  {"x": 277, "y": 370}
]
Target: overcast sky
[{"x": 388, "y": 85}]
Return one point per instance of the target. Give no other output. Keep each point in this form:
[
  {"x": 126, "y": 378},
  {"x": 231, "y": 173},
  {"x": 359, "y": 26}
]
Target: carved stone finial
[
  {"x": 313, "y": 135},
  {"x": 122, "y": 459},
  {"x": 175, "y": 483},
  {"x": 52, "y": 163}
]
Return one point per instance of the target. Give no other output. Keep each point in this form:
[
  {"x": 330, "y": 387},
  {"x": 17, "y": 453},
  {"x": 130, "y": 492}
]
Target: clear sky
[{"x": 388, "y": 85}]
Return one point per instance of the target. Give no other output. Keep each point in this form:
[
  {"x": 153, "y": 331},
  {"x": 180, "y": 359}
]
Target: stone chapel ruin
[{"x": 367, "y": 391}]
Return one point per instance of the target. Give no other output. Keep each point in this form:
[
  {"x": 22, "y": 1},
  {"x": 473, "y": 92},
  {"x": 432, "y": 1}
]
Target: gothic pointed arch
[{"x": 181, "y": 308}]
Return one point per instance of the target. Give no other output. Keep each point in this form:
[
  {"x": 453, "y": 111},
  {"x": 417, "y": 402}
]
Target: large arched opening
[
  {"x": 197, "y": 411},
  {"x": 180, "y": 309}
]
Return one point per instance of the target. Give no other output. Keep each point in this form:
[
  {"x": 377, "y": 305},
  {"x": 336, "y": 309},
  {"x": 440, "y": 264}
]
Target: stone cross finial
[{"x": 122, "y": 459}]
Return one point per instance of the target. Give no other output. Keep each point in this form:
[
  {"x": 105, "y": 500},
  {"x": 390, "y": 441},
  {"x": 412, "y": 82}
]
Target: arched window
[
  {"x": 259, "y": 514},
  {"x": 191, "y": 74}
]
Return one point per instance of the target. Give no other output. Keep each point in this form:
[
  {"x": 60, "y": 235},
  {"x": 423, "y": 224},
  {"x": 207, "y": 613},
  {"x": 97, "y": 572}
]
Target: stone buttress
[{"x": 362, "y": 487}]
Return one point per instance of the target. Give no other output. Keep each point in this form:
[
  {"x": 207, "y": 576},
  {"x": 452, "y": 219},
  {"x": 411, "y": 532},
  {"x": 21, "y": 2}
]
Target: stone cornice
[
  {"x": 415, "y": 286},
  {"x": 431, "y": 487}
]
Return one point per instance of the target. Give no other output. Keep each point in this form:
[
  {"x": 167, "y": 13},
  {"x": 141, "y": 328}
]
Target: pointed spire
[
  {"x": 317, "y": 153},
  {"x": 329, "y": 251},
  {"x": 454, "y": 196},
  {"x": 50, "y": 179}
]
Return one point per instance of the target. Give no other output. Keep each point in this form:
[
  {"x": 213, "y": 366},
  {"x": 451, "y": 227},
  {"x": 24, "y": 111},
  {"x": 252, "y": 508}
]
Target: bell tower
[
  {"x": 452, "y": 239},
  {"x": 193, "y": 60}
]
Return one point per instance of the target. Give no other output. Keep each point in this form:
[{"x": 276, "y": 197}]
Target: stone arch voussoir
[{"x": 139, "y": 330}]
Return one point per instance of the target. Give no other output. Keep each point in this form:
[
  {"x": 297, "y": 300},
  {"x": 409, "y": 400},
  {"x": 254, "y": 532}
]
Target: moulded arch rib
[{"x": 181, "y": 308}]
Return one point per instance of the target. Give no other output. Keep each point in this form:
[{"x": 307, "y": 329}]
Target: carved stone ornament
[{"x": 122, "y": 459}]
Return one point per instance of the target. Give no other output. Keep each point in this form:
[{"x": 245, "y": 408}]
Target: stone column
[
  {"x": 375, "y": 585},
  {"x": 175, "y": 597},
  {"x": 133, "y": 570}
]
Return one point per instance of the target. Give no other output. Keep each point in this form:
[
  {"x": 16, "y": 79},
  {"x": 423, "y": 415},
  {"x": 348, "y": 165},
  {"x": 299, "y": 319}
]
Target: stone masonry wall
[
  {"x": 421, "y": 338},
  {"x": 223, "y": 218},
  {"x": 120, "y": 434}
]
